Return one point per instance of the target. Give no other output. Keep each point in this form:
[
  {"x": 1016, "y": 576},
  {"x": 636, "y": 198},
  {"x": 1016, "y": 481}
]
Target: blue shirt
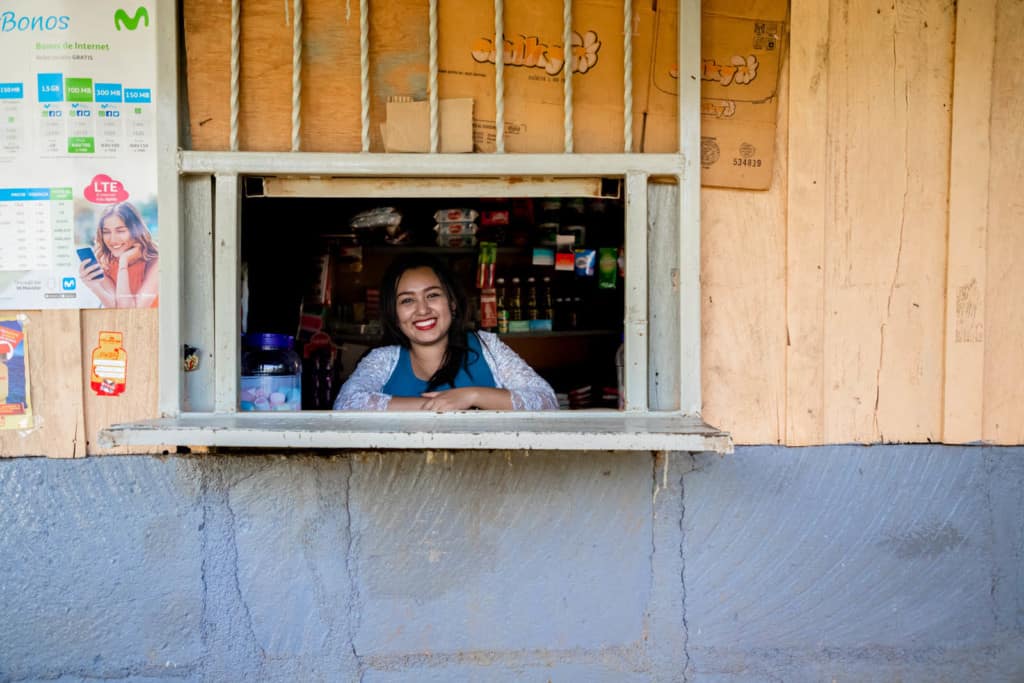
[{"x": 404, "y": 382}]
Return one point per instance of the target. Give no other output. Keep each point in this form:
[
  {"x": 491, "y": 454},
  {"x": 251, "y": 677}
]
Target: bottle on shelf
[
  {"x": 503, "y": 313},
  {"x": 518, "y": 322},
  {"x": 532, "y": 308},
  {"x": 547, "y": 305},
  {"x": 515, "y": 303},
  {"x": 576, "y": 313}
]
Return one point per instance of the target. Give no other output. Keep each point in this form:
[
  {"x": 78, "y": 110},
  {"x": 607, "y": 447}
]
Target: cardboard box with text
[{"x": 741, "y": 51}]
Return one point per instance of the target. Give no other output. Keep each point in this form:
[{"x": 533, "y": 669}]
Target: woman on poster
[{"x": 127, "y": 272}]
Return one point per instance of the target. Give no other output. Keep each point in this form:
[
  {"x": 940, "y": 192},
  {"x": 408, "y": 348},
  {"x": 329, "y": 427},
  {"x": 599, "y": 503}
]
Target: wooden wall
[
  {"x": 873, "y": 293},
  {"x": 68, "y": 413}
]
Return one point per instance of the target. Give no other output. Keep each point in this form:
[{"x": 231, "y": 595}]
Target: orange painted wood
[
  {"x": 970, "y": 166},
  {"x": 1003, "y": 421},
  {"x": 806, "y": 198},
  {"x": 743, "y": 289}
]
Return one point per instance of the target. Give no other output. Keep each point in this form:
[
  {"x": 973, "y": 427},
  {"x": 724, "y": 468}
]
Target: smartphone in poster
[
  {"x": 15, "y": 406},
  {"x": 78, "y": 155}
]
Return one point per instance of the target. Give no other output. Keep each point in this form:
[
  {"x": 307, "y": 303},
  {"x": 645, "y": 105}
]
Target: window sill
[{"x": 593, "y": 430}]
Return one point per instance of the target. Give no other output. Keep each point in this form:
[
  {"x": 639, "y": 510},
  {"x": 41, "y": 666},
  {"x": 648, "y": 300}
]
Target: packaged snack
[
  {"x": 607, "y": 267},
  {"x": 455, "y": 215},
  {"x": 458, "y": 228},
  {"x": 585, "y": 261},
  {"x": 543, "y": 256},
  {"x": 564, "y": 258},
  {"x": 380, "y": 217},
  {"x": 495, "y": 217}
]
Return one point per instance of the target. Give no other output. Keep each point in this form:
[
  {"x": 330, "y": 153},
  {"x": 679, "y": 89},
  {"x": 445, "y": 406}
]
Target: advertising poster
[
  {"x": 78, "y": 155},
  {"x": 15, "y": 407}
]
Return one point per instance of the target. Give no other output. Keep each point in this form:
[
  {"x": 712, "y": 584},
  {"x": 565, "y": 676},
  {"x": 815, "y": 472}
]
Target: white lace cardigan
[{"x": 362, "y": 391}]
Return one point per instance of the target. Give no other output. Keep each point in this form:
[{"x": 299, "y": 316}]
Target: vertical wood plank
[
  {"x": 226, "y": 298},
  {"x": 743, "y": 287},
  {"x": 169, "y": 191},
  {"x": 636, "y": 328},
  {"x": 55, "y": 388},
  {"x": 689, "y": 206},
  {"x": 908, "y": 404},
  {"x": 806, "y": 215},
  {"x": 207, "y": 43},
  {"x": 889, "y": 84},
  {"x": 197, "y": 319},
  {"x": 862, "y": 241},
  {"x": 1003, "y": 416},
  {"x": 331, "y": 115},
  {"x": 968, "y": 218},
  {"x": 663, "y": 274},
  {"x": 140, "y": 330}
]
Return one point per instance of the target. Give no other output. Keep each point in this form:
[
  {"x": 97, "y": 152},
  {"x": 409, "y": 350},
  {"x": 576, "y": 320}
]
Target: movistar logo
[{"x": 121, "y": 17}]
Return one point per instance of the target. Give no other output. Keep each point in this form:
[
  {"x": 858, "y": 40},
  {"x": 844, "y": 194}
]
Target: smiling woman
[
  {"x": 125, "y": 272},
  {"x": 431, "y": 360}
]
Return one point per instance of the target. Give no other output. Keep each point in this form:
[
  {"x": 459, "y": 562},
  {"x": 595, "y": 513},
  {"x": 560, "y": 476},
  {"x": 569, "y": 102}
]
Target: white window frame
[{"x": 200, "y": 263}]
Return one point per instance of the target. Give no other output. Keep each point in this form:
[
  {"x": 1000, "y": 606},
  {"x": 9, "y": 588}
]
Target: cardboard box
[
  {"x": 398, "y": 67},
  {"x": 741, "y": 48},
  {"x": 407, "y": 128},
  {"x": 534, "y": 73}
]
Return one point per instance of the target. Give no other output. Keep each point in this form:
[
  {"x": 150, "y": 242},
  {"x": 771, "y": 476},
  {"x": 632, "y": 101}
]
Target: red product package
[
  {"x": 488, "y": 309},
  {"x": 495, "y": 217}
]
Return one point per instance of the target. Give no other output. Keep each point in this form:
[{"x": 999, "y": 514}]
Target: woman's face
[
  {"x": 422, "y": 306},
  {"x": 116, "y": 235}
]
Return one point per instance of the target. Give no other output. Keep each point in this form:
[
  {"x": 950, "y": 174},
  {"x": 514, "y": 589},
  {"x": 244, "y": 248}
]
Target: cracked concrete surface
[{"x": 771, "y": 564}]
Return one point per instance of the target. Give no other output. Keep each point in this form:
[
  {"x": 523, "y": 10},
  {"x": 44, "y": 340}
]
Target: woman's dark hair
[{"x": 456, "y": 356}]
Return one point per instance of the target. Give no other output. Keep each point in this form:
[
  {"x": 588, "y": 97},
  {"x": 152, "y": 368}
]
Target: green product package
[{"x": 607, "y": 267}]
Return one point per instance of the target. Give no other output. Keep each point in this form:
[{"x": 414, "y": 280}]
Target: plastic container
[{"x": 271, "y": 373}]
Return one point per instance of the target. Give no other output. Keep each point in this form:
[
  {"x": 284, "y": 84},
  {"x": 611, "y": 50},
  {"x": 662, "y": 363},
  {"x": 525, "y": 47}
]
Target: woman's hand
[
  {"x": 465, "y": 398},
  {"x": 446, "y": 401},
  {"x": 125, "y": 259},
  {"x": 88, "y": 272},
  {"x": 100, "y": 286}
]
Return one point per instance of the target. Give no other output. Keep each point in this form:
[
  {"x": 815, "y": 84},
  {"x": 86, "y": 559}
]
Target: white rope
[
  {"x": 236, "y": 48},
  {"x": 499, "y": 76},
  {"x": 567, "y": 71},
  {"x": 297, "y": 76},
  {"x": 627, "y": 75},
  {"x": 364, "y": 71},
  {"x": 433, "y": 78}
]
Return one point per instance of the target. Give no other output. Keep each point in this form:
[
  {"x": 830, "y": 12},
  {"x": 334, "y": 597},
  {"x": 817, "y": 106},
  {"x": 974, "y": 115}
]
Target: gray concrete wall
[{"x": 772, "y": 564}]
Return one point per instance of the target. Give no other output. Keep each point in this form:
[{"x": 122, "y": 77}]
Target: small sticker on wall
[
  {"x": 15, "y": 407},
  {"x": 109, "y": 365}
]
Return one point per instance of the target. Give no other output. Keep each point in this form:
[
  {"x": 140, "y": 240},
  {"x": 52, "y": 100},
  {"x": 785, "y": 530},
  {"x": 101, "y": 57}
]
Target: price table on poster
[{"x": 36, "y": 228}]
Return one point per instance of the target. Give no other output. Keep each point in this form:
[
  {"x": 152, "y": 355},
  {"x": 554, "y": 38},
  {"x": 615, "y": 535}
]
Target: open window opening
[{"x": 545, "y": 273}]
